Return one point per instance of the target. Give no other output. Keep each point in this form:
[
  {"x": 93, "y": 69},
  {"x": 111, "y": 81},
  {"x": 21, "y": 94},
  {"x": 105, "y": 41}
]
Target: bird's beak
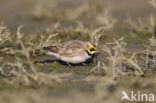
[{"x": 96, "y": 50}]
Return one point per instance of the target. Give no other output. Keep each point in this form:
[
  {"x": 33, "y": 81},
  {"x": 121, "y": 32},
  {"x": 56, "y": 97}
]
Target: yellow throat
[{"x": 91, "y": 49}]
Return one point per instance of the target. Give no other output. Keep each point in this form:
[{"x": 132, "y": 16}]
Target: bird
[{"x": 71, "y": 52}]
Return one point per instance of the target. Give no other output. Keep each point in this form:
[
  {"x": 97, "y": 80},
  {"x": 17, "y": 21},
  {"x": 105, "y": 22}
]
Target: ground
[{"x": 126, "y": 62}]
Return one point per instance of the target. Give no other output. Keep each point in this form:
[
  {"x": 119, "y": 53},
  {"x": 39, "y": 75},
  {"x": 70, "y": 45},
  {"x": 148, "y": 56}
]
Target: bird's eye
[{"x": 92, "y": 49}]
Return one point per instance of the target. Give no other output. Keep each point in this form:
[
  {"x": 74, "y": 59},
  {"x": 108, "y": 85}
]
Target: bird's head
[{"x": 91, "y": 49}]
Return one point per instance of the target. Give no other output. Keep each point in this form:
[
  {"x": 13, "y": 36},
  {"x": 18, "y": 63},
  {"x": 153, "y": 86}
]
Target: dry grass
[
  {"x": 116, "y": 70},
  {"x": 22, "y": 71}
]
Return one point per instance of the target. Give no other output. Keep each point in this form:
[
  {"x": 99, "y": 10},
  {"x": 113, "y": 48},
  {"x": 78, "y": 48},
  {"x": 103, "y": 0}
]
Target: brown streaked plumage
[{"x": 74, "y": 51}]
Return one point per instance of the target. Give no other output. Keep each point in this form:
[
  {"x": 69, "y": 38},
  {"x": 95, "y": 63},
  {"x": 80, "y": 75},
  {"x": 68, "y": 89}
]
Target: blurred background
[
  {"x": 37, "y": 15},
  {"x": 127, "y": 52}
]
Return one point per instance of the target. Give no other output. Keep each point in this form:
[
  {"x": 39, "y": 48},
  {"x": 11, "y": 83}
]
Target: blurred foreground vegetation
[{"x": 127, "y": 59}]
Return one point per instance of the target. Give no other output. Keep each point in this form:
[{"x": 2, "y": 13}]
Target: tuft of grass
[{"x": 117, "y": 68}]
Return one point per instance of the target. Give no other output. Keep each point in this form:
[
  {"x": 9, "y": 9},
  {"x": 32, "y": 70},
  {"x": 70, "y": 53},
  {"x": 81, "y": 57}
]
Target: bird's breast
[{"x": 75, "y": 59}]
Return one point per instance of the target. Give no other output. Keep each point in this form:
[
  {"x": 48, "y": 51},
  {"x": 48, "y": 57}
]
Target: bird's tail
[
  {"x": 47, "y": 50},
  {"x": 42, "y": 51}
]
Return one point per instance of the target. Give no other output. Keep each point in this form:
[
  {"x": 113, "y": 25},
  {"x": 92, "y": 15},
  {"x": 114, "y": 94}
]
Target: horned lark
[{"x": 74, "y": 51}]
